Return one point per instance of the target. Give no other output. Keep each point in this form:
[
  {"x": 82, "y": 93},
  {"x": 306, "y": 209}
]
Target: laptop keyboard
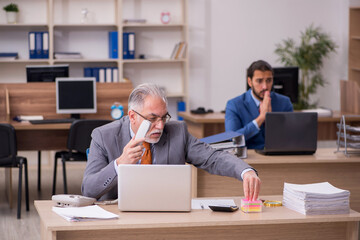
[{"x": 49, "y": 121}]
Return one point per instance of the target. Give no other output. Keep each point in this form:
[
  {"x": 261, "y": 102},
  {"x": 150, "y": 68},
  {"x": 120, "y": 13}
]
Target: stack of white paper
[
  {"x": 317, "y": 198},
  {"x": 75, "y": 214}
]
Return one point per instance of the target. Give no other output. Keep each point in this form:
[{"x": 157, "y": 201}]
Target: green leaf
[{"x": 314, "y": 47}]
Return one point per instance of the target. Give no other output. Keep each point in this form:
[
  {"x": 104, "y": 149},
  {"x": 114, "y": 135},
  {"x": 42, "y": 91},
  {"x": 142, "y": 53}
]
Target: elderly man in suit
[
  {"x": 169, "y": 142},
  {"x": 246, "y": 113}
]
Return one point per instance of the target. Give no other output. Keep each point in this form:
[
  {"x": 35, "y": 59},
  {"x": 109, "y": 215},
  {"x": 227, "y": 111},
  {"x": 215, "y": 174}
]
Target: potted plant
[
  {"x": 11, "y": 12},
  {"x": 308, "y": 56}
]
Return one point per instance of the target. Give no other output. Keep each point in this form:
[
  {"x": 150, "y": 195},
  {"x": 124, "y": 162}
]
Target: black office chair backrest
[
  {"x": 80, "y": 133},
  {"x": 7, "y": 141}
]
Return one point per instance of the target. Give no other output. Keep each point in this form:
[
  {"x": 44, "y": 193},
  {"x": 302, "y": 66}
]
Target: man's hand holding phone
[{"x": 133, "y": 150}]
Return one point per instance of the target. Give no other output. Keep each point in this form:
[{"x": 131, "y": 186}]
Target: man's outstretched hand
[{"x": 251, "y": 185}]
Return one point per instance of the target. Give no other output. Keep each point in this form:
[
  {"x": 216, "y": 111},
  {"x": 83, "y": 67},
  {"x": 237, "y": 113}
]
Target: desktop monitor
[
  {"x": 286, "y": 82},
  {"x": 46, "y": 73},
  {"x": 75, "y": 96}
]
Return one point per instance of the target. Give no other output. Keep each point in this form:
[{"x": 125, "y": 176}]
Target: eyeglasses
[{"x": 155, "y": 118}]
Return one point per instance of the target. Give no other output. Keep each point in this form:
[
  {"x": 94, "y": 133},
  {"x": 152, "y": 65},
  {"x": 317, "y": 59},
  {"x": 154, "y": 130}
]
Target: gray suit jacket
[{"x": 176, "y": 146}]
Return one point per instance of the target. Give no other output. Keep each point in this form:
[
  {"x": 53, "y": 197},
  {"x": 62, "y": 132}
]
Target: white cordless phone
[
  {"x": 72, "y": 200},
  {"x": 143, "y": 129}
]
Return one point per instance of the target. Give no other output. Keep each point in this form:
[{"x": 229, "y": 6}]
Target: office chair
[
  {"x": 78, "y": 141},
  {"x": 9, "y": 159}
]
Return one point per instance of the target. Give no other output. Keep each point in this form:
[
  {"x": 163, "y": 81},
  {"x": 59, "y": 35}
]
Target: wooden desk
[
  {"x": 324, "y": 166},
  {"x": 272, "y": 223},
  {"x": 203, "y": 125},
  {"x": 40, "y": 99},
  {"x": 41, "y": 136}
]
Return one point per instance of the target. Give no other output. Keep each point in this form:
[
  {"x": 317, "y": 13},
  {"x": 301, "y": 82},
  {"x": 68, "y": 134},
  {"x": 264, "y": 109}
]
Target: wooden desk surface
[
  {"x": 322, "y": 155},
  {"x": 324, "y": 166},
  {"x": 203, "y": 118},
  {"x": 29, "y": 126},
  {"x": 203, "y": 125},
  {"x": 193, "y": 225},
  {"x": 220, "y": 117}
]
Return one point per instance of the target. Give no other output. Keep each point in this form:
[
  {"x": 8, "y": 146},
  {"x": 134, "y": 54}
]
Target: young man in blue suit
[{"x": 246, "y": 113}]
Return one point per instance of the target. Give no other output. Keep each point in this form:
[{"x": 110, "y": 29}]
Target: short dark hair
[{"x": 258, "y": 65}]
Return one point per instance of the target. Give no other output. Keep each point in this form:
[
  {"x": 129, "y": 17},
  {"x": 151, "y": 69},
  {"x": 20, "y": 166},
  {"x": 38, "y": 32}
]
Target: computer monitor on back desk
[
  {"x": 285, "y": 82},
  {"x": 46, "y": 73},
  {"x": 76, "y": 96}
]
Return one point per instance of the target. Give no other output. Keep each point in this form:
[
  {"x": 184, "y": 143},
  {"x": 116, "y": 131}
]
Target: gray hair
[{"x": 138, "y": 95}]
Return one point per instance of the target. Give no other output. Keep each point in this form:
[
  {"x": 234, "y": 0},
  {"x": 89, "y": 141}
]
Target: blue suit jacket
[{"x": 242, "y": 110}]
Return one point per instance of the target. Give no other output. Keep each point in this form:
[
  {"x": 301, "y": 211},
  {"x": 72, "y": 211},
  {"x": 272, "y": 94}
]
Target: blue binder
[
  {"x": 221, "y": 137},
  {"x": 88, "y": 72},
  {"x": 8, "y": 54},
  {"x": 31, "y": 39},
  {"x": 113, "y": 44},
  {"x": 38, "y": 45},
  {"x": 181, "y": 107},
  {"x": 45, "y": 45},
  {"x": 131, "y": 45},
  {"x": 125, "y": 48},
  {"x": 95, "y": 71}
]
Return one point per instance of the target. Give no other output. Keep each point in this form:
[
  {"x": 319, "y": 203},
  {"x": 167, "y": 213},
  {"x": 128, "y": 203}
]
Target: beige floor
[{"x": 28, "y": 227}]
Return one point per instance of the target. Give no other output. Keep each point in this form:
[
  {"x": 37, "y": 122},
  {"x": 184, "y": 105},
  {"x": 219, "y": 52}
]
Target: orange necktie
[{"x": 146, "y": 158}]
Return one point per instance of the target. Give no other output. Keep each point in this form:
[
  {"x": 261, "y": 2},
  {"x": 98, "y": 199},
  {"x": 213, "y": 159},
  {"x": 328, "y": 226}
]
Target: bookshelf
[
  {"x": 354, "y": 45},
  {"x": 350, "y": 90},
  {"x": 69, "y": 32}
]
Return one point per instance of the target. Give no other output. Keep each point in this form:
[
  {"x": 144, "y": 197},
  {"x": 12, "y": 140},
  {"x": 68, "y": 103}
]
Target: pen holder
[{"x": 251, "y": 206}]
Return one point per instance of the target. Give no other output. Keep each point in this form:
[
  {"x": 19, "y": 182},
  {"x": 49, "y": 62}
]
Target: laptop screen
[{"x": 291, "y": 132}]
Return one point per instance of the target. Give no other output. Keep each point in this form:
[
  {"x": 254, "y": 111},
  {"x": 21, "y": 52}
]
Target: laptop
[
  {"x": 290, "y": 133},
  {"x": 154, "y": 187}
]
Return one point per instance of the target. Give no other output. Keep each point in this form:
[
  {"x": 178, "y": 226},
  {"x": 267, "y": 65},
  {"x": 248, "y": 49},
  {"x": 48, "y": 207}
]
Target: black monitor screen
[
  {"x": 75, "y": 95},
  {"x": 46, "y": 73},
  {"x": 286, "y": 82}
]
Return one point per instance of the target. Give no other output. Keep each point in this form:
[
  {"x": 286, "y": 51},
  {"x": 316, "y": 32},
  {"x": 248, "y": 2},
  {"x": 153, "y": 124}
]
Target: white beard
[{"x": 151, "y": 140}]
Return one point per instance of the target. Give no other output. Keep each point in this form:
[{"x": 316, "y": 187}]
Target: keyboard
[{"x": 52, "y": 121}]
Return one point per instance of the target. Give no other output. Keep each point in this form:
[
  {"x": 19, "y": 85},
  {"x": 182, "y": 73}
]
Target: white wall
[{"x": 226, "y": 36}]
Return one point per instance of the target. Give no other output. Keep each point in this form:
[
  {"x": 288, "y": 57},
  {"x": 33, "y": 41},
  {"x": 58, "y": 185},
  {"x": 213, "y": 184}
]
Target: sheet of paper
[
  {"x": 204, "y": 203},
  {"x": 28, "y": 118},
  {"x": 93, "y": 212},
  {"x": 316, "y": 190}
]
